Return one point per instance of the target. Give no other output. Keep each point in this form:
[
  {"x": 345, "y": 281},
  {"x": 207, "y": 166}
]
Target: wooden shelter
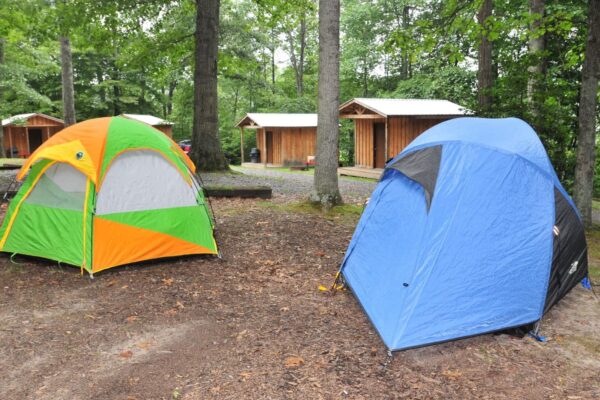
[
  {"x": 162, "y": 125},
  {"x": 24, "y": 133},
  {"x": 282, "y": 139},
  {"x": 384, "y": 127}
]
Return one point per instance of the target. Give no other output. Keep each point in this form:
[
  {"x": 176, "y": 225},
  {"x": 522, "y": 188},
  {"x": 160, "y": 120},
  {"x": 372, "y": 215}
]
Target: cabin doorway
[
  {"x": 269, "y": 147},
  {"x": 35, "y": 139},
  {"x": 379, "y": 145}
]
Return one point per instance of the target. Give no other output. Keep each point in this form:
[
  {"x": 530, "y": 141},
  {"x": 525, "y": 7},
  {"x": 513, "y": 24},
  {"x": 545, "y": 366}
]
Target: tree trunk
[
  {"x": 484, "y": 75},
  {"x": 327, "y": 193},
  {"x": 586, "y": 138},
  {"x": 172, "y": 86},
  {"x": 206, "y": 149},
  {"x": 273, "y": 67},
  {"x": 2, "y": 151},
  {"x": 302, "y": 51},
  {"x": 536, "y": 49},
  {"x": 68, "y": 91},
  {"x": 405, "y": 60},
  {"x": 298, "y": 61}
]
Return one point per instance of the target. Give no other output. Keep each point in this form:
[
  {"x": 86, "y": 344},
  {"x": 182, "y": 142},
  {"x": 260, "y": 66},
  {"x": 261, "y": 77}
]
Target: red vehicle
[{"x": 186, "y": 145}]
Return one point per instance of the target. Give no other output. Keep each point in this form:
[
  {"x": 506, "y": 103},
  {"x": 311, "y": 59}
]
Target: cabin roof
[
  {"x": 402, "y": 107},
  {"x": 278, "y": 120},
  {"x": 24, "y": 117},
  {"x": 148, "y": 119}
]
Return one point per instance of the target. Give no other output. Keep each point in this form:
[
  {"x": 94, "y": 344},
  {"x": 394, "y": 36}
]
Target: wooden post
[
  {"x": 242, "y": 143},
  {"x": 47, "y": 132},
  {"x": 27, "y": 138},
  {"x": 385, "y": 148},
  {"x": 10, "y": 144},
  {"x": 355, "y": 148},
  {"x": 264, "y": 157}
]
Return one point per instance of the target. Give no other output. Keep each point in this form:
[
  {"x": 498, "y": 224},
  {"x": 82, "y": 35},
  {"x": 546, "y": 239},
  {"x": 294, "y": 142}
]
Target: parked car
[{"x": 186, "y": 145}]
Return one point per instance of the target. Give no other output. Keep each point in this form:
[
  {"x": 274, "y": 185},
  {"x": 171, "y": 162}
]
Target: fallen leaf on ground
[
  {"x": 171, "y": 312},
  {"x": 450, "y": 374},
  {"x": 126, "y": 354},
  {"x": 245, "y": 375},
  {"x": 145, "y": 345},
  {"x": 168, "y": 282},
  {"x": 131, "y": 318},
  {"x": 293, "y": 362}
]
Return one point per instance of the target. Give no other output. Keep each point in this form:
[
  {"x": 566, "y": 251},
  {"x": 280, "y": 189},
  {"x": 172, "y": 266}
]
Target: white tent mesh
[{"x": 61, "y": 186}]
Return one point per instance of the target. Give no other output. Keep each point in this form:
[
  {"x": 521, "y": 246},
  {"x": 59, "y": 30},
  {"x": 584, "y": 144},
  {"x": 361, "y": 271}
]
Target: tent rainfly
[
  {"x": 468, "y": 231},
  {"x": 107, "y": 192}
]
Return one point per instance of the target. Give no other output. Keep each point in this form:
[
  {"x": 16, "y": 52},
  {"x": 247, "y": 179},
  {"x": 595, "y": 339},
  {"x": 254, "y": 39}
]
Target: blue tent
[{"x": 468, "y": 231}]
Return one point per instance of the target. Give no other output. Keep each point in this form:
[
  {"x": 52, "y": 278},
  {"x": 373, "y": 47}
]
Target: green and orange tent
[{"x": 108, "y": 192}]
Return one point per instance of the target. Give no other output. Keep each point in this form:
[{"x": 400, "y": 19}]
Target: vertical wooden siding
[
  {"x": 38, "y": 120},
  {"x": 403, "y": 130},
  {"x": 260, "y": 145},
  {"x": 16, "y": 136},
  {"x": 166, "y": 129},
  {"x": 363, "y": 131},
  {"x": 277, "y": 133},
  {"x": 297, "y": 144}
]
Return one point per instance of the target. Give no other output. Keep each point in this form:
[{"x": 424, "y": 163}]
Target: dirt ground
[{"x": 255, "y": 326}]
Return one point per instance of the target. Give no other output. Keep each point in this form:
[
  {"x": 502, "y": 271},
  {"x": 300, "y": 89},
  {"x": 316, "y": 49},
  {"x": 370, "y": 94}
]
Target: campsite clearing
[{"x": 255, "y": 325}]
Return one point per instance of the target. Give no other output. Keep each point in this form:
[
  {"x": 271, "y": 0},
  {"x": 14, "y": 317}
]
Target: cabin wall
[
  {"x": 17, "y": 136},
  {"x": 277, "y": 156},
  {"x": 363, "y": 142},
  {"x": 166, "y": 129},
  {"x": 38, "y": 120},
  {"x": 403, "y": 130},
  {"x": 400, "y": 132},
  {"x": 297, "y": 144},
  {"x": 260, "y": 144}
]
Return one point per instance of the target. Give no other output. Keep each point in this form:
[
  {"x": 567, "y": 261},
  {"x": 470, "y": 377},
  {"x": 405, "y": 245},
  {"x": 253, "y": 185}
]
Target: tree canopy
[{"x": 138, "y": 57}]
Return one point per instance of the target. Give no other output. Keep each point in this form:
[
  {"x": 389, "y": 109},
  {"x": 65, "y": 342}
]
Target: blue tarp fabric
[{"x": 479, "y": 259}]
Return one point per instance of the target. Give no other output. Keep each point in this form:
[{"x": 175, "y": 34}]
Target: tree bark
[
  {"x": 405, "y": 59},
  {"x": 206, "y": 149},
  {"x": 298, "y": 61},
  {"x": 327, "y": 192},
  {"x": 485, "y": 74},
  {"x": 170, "y": 93},
  {"x": 536, "y": 49},
  {"x": 2, "y": 150},
  {"x": 586, "y": 138},
  {"x": 68, "y": 90}
]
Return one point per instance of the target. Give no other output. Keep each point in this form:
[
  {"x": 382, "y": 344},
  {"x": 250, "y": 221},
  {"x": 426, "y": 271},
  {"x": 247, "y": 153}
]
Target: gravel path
[
  {"x": 290, "y": 185},
  {"x": 287, "y": 186}
]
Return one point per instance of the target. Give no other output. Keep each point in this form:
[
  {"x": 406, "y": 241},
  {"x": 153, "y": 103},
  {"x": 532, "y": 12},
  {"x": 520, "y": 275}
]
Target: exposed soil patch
[{"x": 254, "y": 325}]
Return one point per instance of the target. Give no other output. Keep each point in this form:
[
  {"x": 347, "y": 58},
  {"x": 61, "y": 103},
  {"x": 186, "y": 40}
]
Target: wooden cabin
[
  {"x": 384, "y": 127},
  {"x": 282, "y": 139},
  {"x": 162, "y": 125},
  {"x": 24, "y": 133}
]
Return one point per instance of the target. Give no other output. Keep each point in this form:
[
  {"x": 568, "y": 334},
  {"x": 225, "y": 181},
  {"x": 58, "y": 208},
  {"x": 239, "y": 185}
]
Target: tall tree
[
  {"x": 586, "y": 138},
  {"x": 2, "y": 41},
  {"x": 536, "y": 49},
  {"x": 485, "y": 76},
  {"x": 68, "y": 90},
  {"x": 206, "y": 146},
  {"x": 327, "y": 192},
  {"x": 298, "y": 59}
]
